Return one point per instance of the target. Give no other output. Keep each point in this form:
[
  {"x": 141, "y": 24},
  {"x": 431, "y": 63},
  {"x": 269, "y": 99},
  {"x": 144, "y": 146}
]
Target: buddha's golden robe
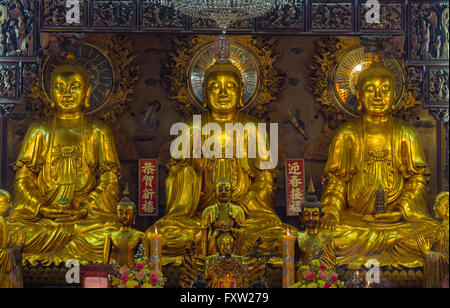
[
  {"x": 354, "y": 171},
  {"x": 190, "y": 189},
  {"x": 74, "y": 160}
]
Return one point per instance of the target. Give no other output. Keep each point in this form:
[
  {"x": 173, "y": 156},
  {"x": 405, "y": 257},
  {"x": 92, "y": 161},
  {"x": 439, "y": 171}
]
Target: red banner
[
  {"x": 148, "y": 187},
  {"x": 295, "y": 186}
]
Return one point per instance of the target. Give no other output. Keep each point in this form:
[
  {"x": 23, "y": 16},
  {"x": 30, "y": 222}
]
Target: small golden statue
[
  {"x": 313, "y": 243},
  {"x": 373, "y": 150},
  {"x": 223, "y": 216},
  {"x": 224, "y": 269},
  {"x": 5, "y": 242},
  {"x": 66, "y": 187},
  {"x": 121, "y": 246},
  {"x": 436, "y": 253}
]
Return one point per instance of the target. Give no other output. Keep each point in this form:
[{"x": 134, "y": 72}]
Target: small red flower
[
  {"x": 153, "y": 280},
  {"x": 139, "y": 266},
  {"x": 138, "y": 287},
  {"x": 124, "y": 278},
  {"x": 312, "y": 276},
  {"x": 327, "y": 286},
  {"x": 322, "y": 267},
  {"x": 334, "y": 279}
]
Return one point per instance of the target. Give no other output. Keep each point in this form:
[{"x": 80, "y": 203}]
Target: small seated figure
[
  {"x": 223, "y": 216},
  {"x": 225, "y": 270},
  {"x": 5, "y": 242},
  {"x": 312, "y": 243},
  {"x": 121, "y": 246},
  {"x": 436, "y": 254}
]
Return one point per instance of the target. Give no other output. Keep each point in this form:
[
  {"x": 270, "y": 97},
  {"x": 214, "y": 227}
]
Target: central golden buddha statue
[
  {"x": 66, "y": 186},
  {"x": 372, "y": 151},
  {"x": 191, "y": 181}
]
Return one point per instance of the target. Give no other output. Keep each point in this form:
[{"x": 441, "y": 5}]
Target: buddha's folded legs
[{"x": 393, "y": 244}]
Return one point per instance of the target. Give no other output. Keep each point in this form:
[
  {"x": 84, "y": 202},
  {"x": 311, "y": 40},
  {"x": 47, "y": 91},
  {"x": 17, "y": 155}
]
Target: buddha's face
[
  {"x": 223, "y": 91},
  {"x": 70, "y": 92},
  {"x": 376, "y": 95},
  {"x": 5, "y": 202},
  {"x": 441, "y": 208},
  {"x": 223, "y": 191},
  {"x": 311, "y": 217},
  {"x": 125, "y": 213},
  {"x": 225, "y": 245}
]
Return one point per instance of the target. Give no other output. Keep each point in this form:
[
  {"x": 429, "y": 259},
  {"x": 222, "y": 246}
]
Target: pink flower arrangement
[
  {"x": 124, "y": 278},
  {"x": 322, "y": 267},
  {"x": 327, "y": 285},
  {"x": 124, "y": 271},
  {"x": 323, "y": 275},
  {"x": 140, "y": 276},
  {"x": 317, "y": 275},
  {"x": 153, "y": 280},
  {"x": 312, "y": 276}
]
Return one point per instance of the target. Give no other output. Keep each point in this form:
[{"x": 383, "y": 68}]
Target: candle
[
  {"x": 155, "y": 251},
  {"x": 288, "y": 260}
]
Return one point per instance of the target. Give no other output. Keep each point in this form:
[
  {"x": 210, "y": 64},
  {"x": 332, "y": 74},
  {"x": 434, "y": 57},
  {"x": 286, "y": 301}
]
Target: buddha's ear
[{"x": 88, "y": 97}]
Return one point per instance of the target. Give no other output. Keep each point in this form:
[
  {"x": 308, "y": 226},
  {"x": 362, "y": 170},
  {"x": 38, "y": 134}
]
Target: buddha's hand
[
  {"x": 329, "y": 222},
  {"x": 52, "y": 213},
  {"x": 390, "y": 217},
  {"x": 74, "y": 215}
]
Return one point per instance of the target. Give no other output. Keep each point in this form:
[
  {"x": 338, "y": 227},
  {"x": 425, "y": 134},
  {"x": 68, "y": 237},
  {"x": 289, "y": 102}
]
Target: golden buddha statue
[
  {"x": 191, "y": 181},
  {"x": 224, "y": 269},
  {"x": 313, "y": 243},
  {"x": 373, "y": 150},
  {"x": 5, "y": 242},
  {"x": 66, "y": 187},
  {"x": 121, "y": 246},
  {"x": 221, "y": 217},
  {"x": 436, "y": 252}
]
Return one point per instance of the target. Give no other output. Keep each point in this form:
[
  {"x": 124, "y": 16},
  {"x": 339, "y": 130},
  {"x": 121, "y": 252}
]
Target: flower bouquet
[
  {"x": 141, "y": 276},
  {"x": 317, "y": 275}
]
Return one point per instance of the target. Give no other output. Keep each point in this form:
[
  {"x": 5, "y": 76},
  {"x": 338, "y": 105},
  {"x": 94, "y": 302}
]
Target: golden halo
[
  {"x": 346, "y": 73},
  {"x": 242, "y": 58}
]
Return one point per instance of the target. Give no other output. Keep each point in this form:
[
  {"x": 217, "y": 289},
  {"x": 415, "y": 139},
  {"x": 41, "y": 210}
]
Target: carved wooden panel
[
  {"x": 113, "y": 14},
  {"x": 428, "y": 31},
  {"x": 335, "y": 15},
  {"x": 9, "y": 85},
  {"x": 17, "y": 28},
  {"x": 161, "y": 18},
  {"x": 287, "y": 18},
  {"x": 391, "y": 17},
  {"x": 53, "y": 14},
  {"x": 437, "y": 87}
]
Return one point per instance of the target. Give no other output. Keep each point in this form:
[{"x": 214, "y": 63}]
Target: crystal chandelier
[{"x": 223, "y": 12}]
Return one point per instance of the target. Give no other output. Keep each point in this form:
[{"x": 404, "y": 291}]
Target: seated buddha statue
[
  {"x": 221, "y": 217},
  {"x": 313, "y": 243},
  {"x": 122, "y": 245},
  {"x": 372, "y": 151},
  {"x": 191, "y": 180},
  {"x": 66, "y": 187}
]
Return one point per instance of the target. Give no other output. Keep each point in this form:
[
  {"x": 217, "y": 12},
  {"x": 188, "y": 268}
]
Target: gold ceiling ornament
[
  {"x": 110, "y": 61},
  {"x": 254, "y": 56},
  {"x": 336, "y": 66}
]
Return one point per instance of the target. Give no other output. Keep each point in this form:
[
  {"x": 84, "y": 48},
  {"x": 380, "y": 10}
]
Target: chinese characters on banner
[
  {"x": 148, "y": 187},
  {"x": 295, "y": 186}
]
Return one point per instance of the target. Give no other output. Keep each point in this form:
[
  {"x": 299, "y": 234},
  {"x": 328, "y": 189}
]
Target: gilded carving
[
  {"x": 285, "y": 17},
  {"x": 8, "y": 81},
  {"x": 113, "y": 13},
  {"x": 54, "y": 13},
  {"x": 156, "y": 16},
  {"x": 331, "y": 16},
  {"x": 390, "y": 17}
]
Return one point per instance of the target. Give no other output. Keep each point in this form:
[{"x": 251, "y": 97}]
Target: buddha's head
[
  {"x": 69, "y": 87},
  {"x": 225, "y": 244},
  {"x": 375, "y": 90},
  {"x": 311, "y": 211},
  {"x": 223, "y": 190},
  {"x": 223, "y": 89},
  {"x": 5, "y": 202},
  {"x": 126, "y": 210},
  {"x": 441, "y": 206}
]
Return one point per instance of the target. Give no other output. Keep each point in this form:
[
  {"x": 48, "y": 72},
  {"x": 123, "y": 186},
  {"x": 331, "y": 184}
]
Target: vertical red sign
[
  {"x": 295, "y": 186},
  {"x": 148, "y": 187}
]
